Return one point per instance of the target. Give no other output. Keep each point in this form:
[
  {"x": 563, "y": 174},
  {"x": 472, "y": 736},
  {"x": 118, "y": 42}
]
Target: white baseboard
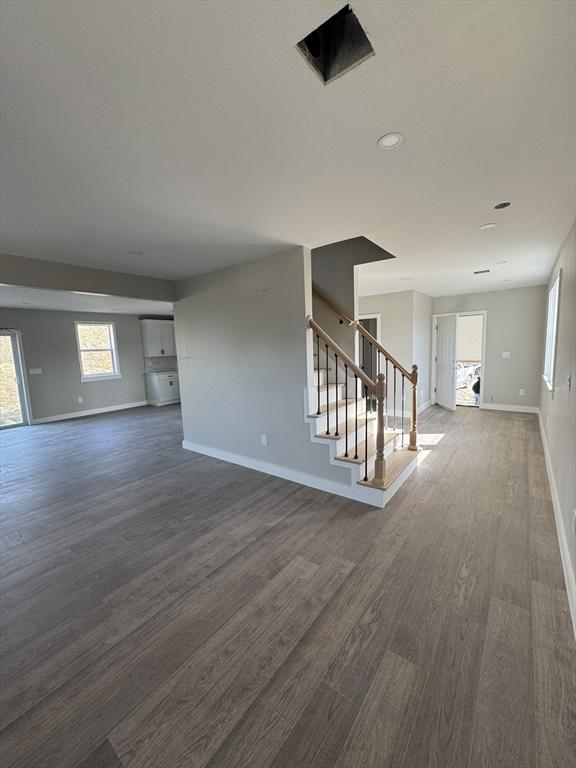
[
  {"x": 561, "y": 532},
  {"x": 425, "y": 405},
  {"x": 91, "y": 412},
  {"x": 357, "y": 492},
  {"x": 515, "y": 408}
]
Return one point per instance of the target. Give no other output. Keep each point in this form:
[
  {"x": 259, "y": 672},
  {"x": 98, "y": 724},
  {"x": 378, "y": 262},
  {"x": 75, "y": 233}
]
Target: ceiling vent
[
  {"x": 336, "y": 46},
  {"x": 481, "y": 271}
]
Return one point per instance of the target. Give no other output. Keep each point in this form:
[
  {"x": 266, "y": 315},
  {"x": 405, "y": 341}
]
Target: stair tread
[
  {"x": 346, "y": 427},
  {"x": 332, "y": 407},
  {"x": 389, "y": 435},
  {"x": 396, "y": 463}
]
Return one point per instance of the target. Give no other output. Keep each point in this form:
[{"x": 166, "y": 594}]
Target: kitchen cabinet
[
  {"x": 162, "y": 388},
  {"x": 158, "y": 338}
]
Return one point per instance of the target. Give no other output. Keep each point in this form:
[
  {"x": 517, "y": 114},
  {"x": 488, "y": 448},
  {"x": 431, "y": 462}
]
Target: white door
[{"x": 446, "y": 331}]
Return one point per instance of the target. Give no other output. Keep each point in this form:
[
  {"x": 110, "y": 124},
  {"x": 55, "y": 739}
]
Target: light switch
[
  {"x": 264, "y": 440},
  {"x": 506, "y": 355},
  {"x": 522, "y": 392},
  {"x": 34, "y": 371}
]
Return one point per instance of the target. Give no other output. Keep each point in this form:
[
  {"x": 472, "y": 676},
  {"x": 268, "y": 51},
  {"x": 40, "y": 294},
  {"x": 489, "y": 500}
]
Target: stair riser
[
  {"x": 388, "y": 451},
  {"x": 372, "y": 461},
  {"x": 333, "y": 395},
  {"x": 322, "y": 421}
]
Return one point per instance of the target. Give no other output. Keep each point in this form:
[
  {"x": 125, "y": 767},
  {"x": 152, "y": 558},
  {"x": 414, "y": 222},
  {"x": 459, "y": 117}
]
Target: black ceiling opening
[{"x": 337, "y": 45}]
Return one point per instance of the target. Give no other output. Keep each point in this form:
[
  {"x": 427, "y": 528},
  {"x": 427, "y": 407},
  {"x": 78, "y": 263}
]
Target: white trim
[
  {"x": 484, "y": 313},
  {"x": 90, "y": 412},
  {"x": 423, "y": 407},
  {"x": 100, "y": 377},
  {"x": 515, "y": 408},
  {"x": 117, "y": 374},
  {"x": 560, "y": 530},
  {"x": 357, "y": 492},
  {"x": 374, "y": 316},
  {"x": 549, "y": 374}
]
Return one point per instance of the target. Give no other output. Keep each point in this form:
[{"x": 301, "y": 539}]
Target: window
[
  {"x": 97, "y": 351},
  {"x": 551, "y": 328}
]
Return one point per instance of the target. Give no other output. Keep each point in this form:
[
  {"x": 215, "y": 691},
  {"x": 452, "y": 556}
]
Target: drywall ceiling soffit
[{"x": 22, "y": 297}]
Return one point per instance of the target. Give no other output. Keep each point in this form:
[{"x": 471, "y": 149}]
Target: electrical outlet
[
  {"x": 264, "y": 440},
  {"x": 80, "y": 399},
  {"x": 522, "y": 392}
]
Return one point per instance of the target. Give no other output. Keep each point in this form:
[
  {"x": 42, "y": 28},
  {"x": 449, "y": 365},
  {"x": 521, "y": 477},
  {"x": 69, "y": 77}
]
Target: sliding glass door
[{"x": 13, "y": 411}]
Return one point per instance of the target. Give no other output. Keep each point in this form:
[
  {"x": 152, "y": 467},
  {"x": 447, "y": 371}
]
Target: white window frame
[
  {"x": 551, "y": 332},
  {"x": 113, "y": 349}
]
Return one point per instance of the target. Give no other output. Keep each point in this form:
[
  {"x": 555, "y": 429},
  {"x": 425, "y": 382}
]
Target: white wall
[
  {"x": 515, "y": 323},
  {"x": 558, "y": 411},
  {"x": 50, "y": 344},
  {"x": 242, "y": 358},
  {"x": 406, "y": 331},
  {"x": 422, "y": 344},
  {"x": 396, "y": 312}
]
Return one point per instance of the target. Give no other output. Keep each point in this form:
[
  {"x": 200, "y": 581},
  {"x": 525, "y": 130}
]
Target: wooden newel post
[
  {"x": 413, "y": 446},
  {"x": 380, "y": 464}
]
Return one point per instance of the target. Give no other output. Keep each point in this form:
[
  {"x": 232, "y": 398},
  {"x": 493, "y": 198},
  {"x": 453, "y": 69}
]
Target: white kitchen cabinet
[
  {"x": 158, "y": 338},
  {"x": 162, "y": 388}
]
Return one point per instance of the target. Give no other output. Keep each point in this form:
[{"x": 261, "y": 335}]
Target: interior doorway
[
  {"x": 367, "y": 353},
  {"x": 459, "y": 354},
  {"x": 13, "y": 401},
  {"x": 469, "y": 360}
]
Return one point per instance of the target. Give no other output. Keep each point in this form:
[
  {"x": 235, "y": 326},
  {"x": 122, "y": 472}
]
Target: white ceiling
[
  {"x": 19, "y": 297},
  {"x": 196, "y": 133}
]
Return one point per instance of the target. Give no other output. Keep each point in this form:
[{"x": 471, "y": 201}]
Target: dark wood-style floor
[{"x": 161, "y": 608}]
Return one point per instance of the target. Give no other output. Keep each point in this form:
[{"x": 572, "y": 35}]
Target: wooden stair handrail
[
  {"x": 364, "y": 378},
  {"x": 367, "y": 335},
  {"x": 337, "y": 311}
]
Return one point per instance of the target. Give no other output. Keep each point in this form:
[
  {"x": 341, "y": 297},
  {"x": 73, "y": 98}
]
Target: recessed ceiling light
[
  {"x": 507, "y": 281},
  {"x": 405, "y": 278},
  {"x": 25, "y": 303},
  {"x": 499, "y": 206},
  {"x": 502, "y": 261},
  {"x": 481, "y": 271},
  {"x": 136, "y": 253},
  {"x": 390, "y": 140},
  {"x": 490, "y": 225}
]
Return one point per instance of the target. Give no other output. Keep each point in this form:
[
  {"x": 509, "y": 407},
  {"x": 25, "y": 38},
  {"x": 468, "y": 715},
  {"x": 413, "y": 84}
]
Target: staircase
[{"x": 365, "y": 414}]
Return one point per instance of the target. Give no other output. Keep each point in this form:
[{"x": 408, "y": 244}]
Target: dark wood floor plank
[
  {"x": 317, "y": 738},
  {"x": 211, "y": 693},
  {"x": 554, "y": 677},
  {"x": 373, "y": 738},
  {"x": 443, "y": 727},
  {"x": 504, "y": 720},
  {"x": 103, "y": 756},
  {"x": 56, "y": 733},
  {"x": 290, "y": 690},
  {"x": 147, "y": 594},
  {"x": 151, "y": 598}
]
